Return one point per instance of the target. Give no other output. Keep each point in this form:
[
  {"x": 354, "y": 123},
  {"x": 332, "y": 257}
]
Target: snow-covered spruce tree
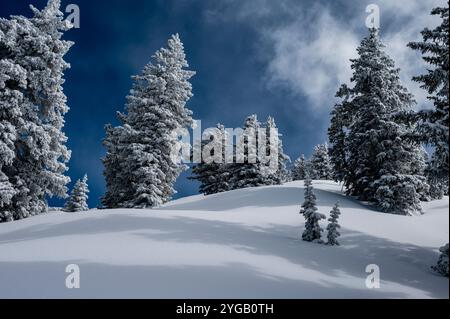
[
  {"x": 12, "y": 80},
  {"x": 33, "y": 47},
  {"x": 280, "y": 175},
  {"x": 313, "y": 231},
  {"x": 212, "y": 172},
  {"x": 336, "y": 136},
  {"x": 77, "y": 201},
  {"x": 438, "y": 184},
  {"x": 299, "y": 170},
  {"x": 382, "y": 162},
  {"x": 442, "y": 264},
  {"x": 434, "y": 127},
  {"x": 249, "y": 171},
  {"x": 145, "y": 143},
  {"x": 333, "y": 226},
  {"x": 320, "y": 162}
]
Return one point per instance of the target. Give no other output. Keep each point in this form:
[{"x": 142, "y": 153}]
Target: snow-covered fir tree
[
  {"x": 383, "y": 162},
  {"x": 434, "y": 127},
  {"x": 442, "y": 264},
  {"x": 280, "y": 174},
  {"x": 247, "y": 170},
  {"x": 438, "y": 184},
  {"x": 32, "y": 68},
  {"x": 299, "y": 170},
  {"x": 12, "y": 79},
  {"x": 320, "y": 163},
  {"x": 337, "y": 135},
  {"x": 141, "y": 164},
  {"x": 333, "y": 226},
  {"x": 212, "y": 172},
  {"x": 313, "y": 231},
  {"x": 77, "y": 201}
]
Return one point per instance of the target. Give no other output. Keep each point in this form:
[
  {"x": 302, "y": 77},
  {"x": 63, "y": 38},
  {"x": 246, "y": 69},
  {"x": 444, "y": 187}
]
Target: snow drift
[{"x": 239, "y": 244}]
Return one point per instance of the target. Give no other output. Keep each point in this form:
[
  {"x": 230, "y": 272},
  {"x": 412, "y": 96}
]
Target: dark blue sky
[{"x": 250, "y": 57}]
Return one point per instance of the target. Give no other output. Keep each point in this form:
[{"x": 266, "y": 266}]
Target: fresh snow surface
[{"x": 240, "y": 244}]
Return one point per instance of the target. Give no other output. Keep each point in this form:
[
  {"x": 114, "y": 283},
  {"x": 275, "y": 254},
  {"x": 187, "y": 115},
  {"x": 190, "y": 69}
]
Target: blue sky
[{"x": 281, "y": 58}]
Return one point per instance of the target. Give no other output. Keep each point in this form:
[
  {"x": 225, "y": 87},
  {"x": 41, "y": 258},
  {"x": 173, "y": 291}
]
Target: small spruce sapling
[
  {"x": 333, "y": 226},
  {"x": 313, "y": 231},
  {"x": 77, "y": 201}
]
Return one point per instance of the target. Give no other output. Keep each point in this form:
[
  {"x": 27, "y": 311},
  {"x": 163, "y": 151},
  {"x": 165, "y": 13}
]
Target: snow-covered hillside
[{"x": 239, "y": 244}]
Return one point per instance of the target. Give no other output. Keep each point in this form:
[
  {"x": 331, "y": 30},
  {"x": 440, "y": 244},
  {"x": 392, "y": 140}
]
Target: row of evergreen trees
[{"x": 220, "y": 176}]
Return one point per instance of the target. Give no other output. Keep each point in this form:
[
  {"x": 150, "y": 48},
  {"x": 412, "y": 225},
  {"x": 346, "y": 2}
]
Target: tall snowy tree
[
  {"x": 299, "y": 171},
  {"x": 32, "y": 57},
  {"x": 313, "y": 231},
  {"x": 212, "y": 172},
  {"x": 12, "y": 80},
  {"x": 333, "y": 226},
  {"x": 383, "y": 163},
  {"x": 320, "y": 162},
  {"x": 337, "y": 134},
  {"x": 77, "y": 201},
  {"x": 280, "y": 174},
  {"x": 145, "y": 145},
  {"x": 434, "y": 128}
]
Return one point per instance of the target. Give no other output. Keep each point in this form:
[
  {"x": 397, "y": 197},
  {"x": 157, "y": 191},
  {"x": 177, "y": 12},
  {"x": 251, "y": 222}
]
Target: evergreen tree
[
  {"x": 280, "y": 175},
  {"x": 382, "y": 163},
  {"x": 333, "y": 227},
  {"x": 442, "y": 264},
  {"x": 142, "y": 165},
  {"x": 313, "y": 231},
  {"x": 437, "y": 183},
  {"x": 248, "y": 172},
  {"x": 12, "y": 80},
  {"x": 299, "y": 171},
  {"x": 212, "y": 173},
  {"x": 337, "y": 136},
  {"x": 320, "y": 162},
  {"x": 435, "y": 123},
  {"x": 32, "y": 58},
  {"x": 77, "y": 201}
]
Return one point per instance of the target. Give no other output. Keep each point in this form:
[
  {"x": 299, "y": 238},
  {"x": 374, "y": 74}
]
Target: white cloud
[
  {"x": 312, "y": 63},
  {"x": 309, "y": 47}
]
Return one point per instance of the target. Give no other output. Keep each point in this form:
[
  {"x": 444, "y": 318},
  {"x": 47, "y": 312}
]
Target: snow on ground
[{"x": 240, "y": 244}]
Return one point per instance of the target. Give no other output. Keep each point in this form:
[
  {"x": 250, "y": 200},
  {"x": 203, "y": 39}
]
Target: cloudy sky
[{"x": 283, "y": 58}]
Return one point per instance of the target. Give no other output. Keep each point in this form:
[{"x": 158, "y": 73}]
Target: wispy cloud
[{"x": 307, "y": 46}]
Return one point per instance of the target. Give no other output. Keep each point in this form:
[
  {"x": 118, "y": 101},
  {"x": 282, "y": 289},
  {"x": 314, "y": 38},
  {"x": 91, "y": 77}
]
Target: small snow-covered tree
[
  {"x": 248, "y": 172},
  {"x": 142, "y": 163},
  {"x": 313, "y": 231},
  {"x": 434, "y": 126},
  {"x": 333, "y": 226},
  {"x": 280, "y": 174},
  {"x": 77, "y": 201},
  {"x": 299, "y": 171},
  {"x": 442, "y": 264},
  {"x": 320, "y": 162},
  {"x": 212, "y": 172}
]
